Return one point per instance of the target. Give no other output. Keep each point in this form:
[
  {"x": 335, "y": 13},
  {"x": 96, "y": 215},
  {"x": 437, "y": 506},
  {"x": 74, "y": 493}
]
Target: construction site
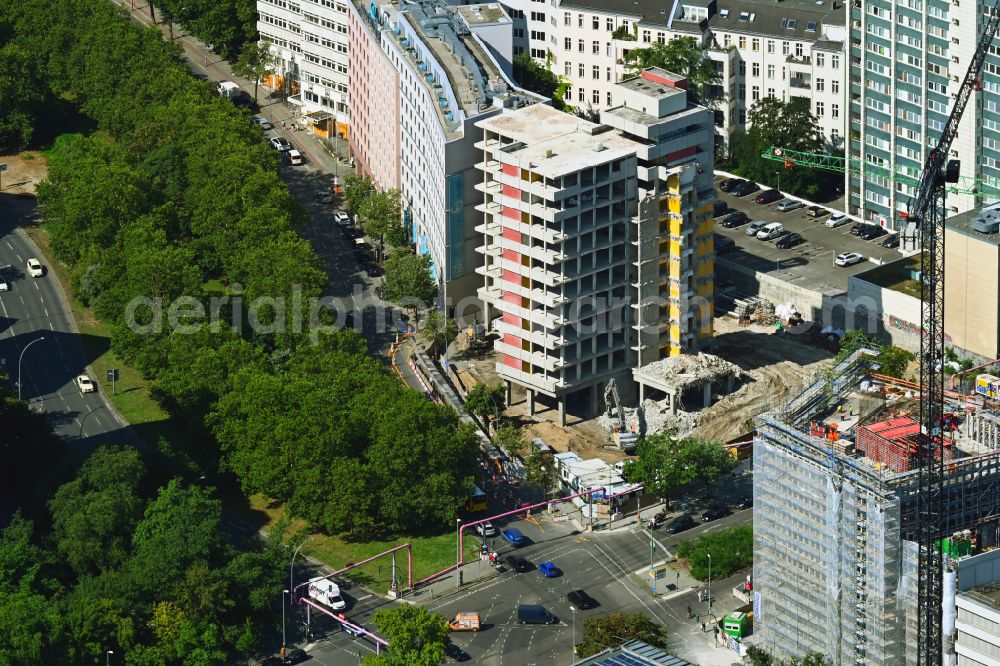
[{"x": 836, "y": 489}]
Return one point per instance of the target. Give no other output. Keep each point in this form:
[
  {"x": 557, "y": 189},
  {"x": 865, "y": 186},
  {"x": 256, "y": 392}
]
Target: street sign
[{"x": 113, "y": 377}]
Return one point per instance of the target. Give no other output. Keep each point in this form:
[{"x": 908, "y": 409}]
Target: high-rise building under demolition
[{"x": 835, "y": 505}]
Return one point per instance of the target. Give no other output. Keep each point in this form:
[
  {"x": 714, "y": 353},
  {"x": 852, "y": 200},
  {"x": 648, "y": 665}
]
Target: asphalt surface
[
  {"x": 34, "y": 312},
  {"x": 809, "y": 264}
]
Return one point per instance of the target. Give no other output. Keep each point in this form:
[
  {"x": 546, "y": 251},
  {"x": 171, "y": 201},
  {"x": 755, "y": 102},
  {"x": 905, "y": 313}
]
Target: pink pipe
[
  {"x": 378, "y": 641},
  {"x": 409, "y": 568}
]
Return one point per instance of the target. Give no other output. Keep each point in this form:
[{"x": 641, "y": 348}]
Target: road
[{"x": 34, "y": 309}]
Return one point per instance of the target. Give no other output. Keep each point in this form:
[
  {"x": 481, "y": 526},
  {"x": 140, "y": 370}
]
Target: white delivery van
[
  {"x": 770, "y": 231},
  {"x": 229, "y": 89},
  {"x": 327, "y": 593}
]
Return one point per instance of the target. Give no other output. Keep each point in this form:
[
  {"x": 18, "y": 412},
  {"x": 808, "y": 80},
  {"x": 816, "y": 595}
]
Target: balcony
[{"x": 801, "y": 82}]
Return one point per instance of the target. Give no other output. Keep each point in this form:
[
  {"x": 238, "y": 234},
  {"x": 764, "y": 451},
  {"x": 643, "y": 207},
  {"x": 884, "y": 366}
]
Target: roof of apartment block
[
  {"x": 962, "y": 223},
  {"x": 651, "y": 84},
  {"x": 553, "y": 143},
  {"x": 988, "y": 594},
  {"x": 485, "y": 14}
]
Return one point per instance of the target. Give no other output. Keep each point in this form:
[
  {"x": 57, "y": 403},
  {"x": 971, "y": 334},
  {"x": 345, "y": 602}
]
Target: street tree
[
  {"x": 381, "y": 217},
  {"x": 616, "y": 628},
  {"x": 438, "y": 331},
  {"x": 357, "y": 191},
  {"x": 486, "y": 402},
  {"x": 539, "y": 469},
  {"x": 418, "y": 637},
  {"x": 510, "y": 439},
  {"x": 666, "y": 463},
  {"x": 408, "y": 280},
  {"x": 23, "y": 92},
  {"x": 541, "y": 80},
  {"x": 681, "y": 55},
  {"x": 256, "y": 62},
  {"x": 731, "y": 551}
]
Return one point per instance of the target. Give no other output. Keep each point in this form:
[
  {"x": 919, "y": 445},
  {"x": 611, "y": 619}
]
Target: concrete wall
[
  {"x": 972, "y": 292},
  {"x": 894, "y": 316}
]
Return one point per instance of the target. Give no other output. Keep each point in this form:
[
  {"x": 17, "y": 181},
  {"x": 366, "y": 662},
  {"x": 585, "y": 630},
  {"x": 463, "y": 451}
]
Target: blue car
[
  {"x": 549, "y": 569},
  {"x": 514, "y": 537}
]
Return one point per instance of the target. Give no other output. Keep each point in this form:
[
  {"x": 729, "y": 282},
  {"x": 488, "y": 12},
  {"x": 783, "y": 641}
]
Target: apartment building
[
  {"x": 907, "y": 59},
  {"x": 597, "y": 238},
  {"x": 310, "y": 41},
  {"x": 977, "y": 639},
  {"x": 533, "y": 27},
  {"x": 794, "y": 48},
  {"x": 421, "y": 74}
]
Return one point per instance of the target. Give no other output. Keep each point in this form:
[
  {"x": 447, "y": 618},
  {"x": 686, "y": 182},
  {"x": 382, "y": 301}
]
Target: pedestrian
[
  {"x": 689, "y": 610},
  {"x": 702, "y": 627}
]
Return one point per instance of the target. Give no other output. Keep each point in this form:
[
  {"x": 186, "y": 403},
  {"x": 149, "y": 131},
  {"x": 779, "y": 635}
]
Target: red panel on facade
[
  {"x": 512, "y": 192},
  {"x": 511, "y": 297},
  {"x": 512, "y": 362},
  {"x": 666, "y": 81},
  {"x": 511, "y": 255},
  {"x": 512, "y": 213},
  {"x": 511, "y": 170},
  {"x": 683, "y": 152},
  {"x": 512, "y": 234},
  {"x": 511, "y": 319},
  {"x": 512, "y": 277},
  {"x": 512, "y": 340}
]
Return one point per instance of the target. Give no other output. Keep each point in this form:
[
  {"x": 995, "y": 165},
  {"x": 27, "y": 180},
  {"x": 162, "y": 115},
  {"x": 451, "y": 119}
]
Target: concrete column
[
  {"x": 707, "y": 388},
  {"x": 642, "y": 392},
  {"x": 510, "y": 392},
  {"x": 562, "y": 411},
  {"x": 531, "y": 402},
  {"x": 730, "y": 383},
  {"x": 672, "y": 398}
]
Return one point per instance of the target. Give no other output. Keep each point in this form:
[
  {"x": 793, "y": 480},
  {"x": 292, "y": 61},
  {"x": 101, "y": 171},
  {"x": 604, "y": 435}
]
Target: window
[
  {"x": 770, "y": 46},
  {"x": 820, "y": 59},
  {"x": 798, "y": 49},
  {"x": 770, "y": 71},
  {"x": 537, "y": 16},
  {"x": 784, "y": 48},
  {"x": 596, "y": 97},
  {"x": 609, "y": 75},
  {"x": 770, "y": 92},
  {"x": 755, "y": 91},
  {"x": 811, "y": 26},
  {"x": 646, "y": 37},
  {"x": 755, "y": 69},
  {"x": 582, "y": 69},
  {"x": 820, "y": 84},
  {"x": 579, "y": 20},
  {"x": 579, "y": 45},
  {"x": 835, "y": 87},
  {"x": 743, "y": 117},
  {"x": 607, "y": 49},
  {"x": 596, "y": 48},
  {"x": 727, "y": 40},
  {"x": 538, "y": 53},
  {"x": 568, "y": 44},
  {"x": 834, "y": 110},
  {"x": 538, "y": 34},
  {"x": 742, "y": 42},
  {"x": 743, "y": 92},
  {"x": 610, "y": 25},
  {"x": 567, "y": 18},
  {"x": 743, "y": 68},
  {"x": 609, "y": 98},
  {"x": 755, "y": 44},
  {"x": 819, "y": 109},
  {"x": 835, "y": 61},
  {"x": 596, "y": 72},
  {"x": 518, "y": 50},
  {"x": 569, "y": 68},
  {"x": 595, "y": 23},
  {"x": 661, "y": 38},
  {"x": 581, "y": 95},
  {"x": 518, "y": 33}
]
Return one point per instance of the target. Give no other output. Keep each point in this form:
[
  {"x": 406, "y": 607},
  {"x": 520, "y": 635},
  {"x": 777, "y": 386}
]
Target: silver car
[
  {"x": 786, "y": 205},
  {"x": 755, "y": 226}
]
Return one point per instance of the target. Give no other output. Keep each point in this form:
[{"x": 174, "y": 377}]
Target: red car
[{"x": 769, "y": 196}]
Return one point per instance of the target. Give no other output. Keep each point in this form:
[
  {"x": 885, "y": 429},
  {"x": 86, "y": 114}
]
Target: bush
[{"x": 731, "y": 550}]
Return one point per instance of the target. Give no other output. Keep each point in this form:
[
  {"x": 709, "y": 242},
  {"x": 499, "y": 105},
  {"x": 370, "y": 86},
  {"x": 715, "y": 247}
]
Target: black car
[
  {"x": 518, "y": 563},
  {"x": 769, "y": 196},
  {"x": 744, "y": 189},
  {"x": 729, "y": 183},
  {"x": 292, "y": 656},
  {"x": 679, "y": 524},
  {"x": 456, "y": 653},
  {"x": 872, "y": 231},
  {"x": 856, "y": 229},
  {"x": 714, "y": 513},
  {"x": 719, "y": 208},
  {"x": 580, "y": 600},
  {"x": 724, "y": 244},
  {"x": 891, "y": 242},
  {"x": 789, "y": 240},
  {"x": 534, "y": 614},
  {"x": 734, "y": 220},
  {"x": 374, "y": 270},
  {"x": 744, "y": 503}
]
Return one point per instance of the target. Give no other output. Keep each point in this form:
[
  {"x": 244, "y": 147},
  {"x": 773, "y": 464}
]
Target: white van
[
  {"x": 770, "y": 231},
  {"x": 327, "y": 593},
  {"x": 228, "y": 89}
]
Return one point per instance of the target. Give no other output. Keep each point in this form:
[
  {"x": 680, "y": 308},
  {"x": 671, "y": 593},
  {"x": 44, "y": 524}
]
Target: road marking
[
  {"x": 709, "y": 529},
  {"x": 52, "y": 328},
  {"x": 46, "y": 312},
  {"x": 367, "y": 596}
]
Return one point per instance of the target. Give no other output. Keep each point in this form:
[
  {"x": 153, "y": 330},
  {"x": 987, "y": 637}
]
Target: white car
[
  {"x": 342, "y": 218},
  {"x": 280, "y": 143},
  {"x": 786, "y": 205},
  {"x": 35, "y": 268},
  {"x": 85, "y": 385},
  {"x": 486, "y": 529},
  {"x": 3, "y": 285},
  {"x": 837, "y": 220},
  {"x": 849, "y": 258},
  {"x": 295, "y": 157}
]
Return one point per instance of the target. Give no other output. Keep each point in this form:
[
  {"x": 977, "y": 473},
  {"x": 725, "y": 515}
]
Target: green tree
[
  {"x": 681, "y": 55},
  {"x": 408, "y": 280},
  {"x": 357, "y": 191},
  {"x": 418, "y": 637},
  {"x": 731, "y": 550},
  {"x": 893, "y": 360},
  {"x": 666, "y": 463},
  {"x": 381, "y": 217},
  {"x": 616, "y": 628},
  {"x": 486, "y": 402},
  {"x": 540, "y": 470},
  {"x": 23, "y": 92},
  {"x": 540, "y": 80},
  {"x": 438, "y": 331},
  {"x": 256, "y": 62},
  {"x": 510, "y": 439}
]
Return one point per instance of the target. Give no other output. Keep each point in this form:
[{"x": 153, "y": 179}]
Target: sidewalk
[{"x": 200, "y": 60}]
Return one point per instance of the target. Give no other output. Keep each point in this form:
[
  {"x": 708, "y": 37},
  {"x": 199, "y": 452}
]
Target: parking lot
[{"x": 808, "y": 264}]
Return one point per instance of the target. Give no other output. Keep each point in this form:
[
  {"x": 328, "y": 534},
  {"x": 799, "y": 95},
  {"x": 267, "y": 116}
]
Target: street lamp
[
  {"x": 709, "y": 583},
  {"x": 19, "y": 364},
  {"x": 107, "y": 657},
  {"x": 573, "y": 610},
  {"x": 283, "y": 593},
  {"x": 458, "y": 550},
  {"x": 291, "y": 563}
]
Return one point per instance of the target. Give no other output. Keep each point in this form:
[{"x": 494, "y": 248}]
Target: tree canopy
[
  {"x": 616, "y": 628},
  {"x": 418, "y": 637},
  {"x": 666, "y": 463},
  {"x": 408, "y": 280},
  {"x": 893, "y": 360},
  {"x": 681, "y": 55}
]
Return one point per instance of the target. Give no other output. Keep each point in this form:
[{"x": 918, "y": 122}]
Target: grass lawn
[{"x": 430, "y": 553}]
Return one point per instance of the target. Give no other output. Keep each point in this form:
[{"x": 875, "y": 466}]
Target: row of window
[
  {"x": 323, "y": 62},
  {"x": 283, "y": 43},
  {"x": 324, "y": 41},
  {"x": 312, "y": 78},
  {"x": 330, "y": 4},
  {"x": 325, "y": 22},
  {"x": 581, "y": 96},
  {"x": 284, "y": 4}
]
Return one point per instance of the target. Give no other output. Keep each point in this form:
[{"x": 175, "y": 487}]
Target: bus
[{"x": 477, "y": 500}]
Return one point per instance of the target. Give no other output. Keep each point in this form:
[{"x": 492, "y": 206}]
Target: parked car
[
  {"x": 261, "y": 122},
  {"x": 788, "y": 205},
  {"x": 817, "y": 211},
  {"x": 580, "y": 600},
  {"x": 770, "y": 231},
  {"x": 744, "y": 189},
  {"x": 518, "y": 563},
  {"x": 85, "y": 385},
  {"x": 872, "y": 231},
  {"x": 837, "y": 220},
  {"x": 280, "y": 143},
  {"x": 534, "y": 614},
  {"x": 724, "y": 244},
  {"x": 849, "y": 258},
  {"x": 769, "y": 196},
  {"x": 856, "y": 228},
  {"x": 729, "y": 183},
  {"x": 342, "y": 218},
  {"x": 549, "y": 570},
  {"x": 679, "y": 524},
  {"x": 514, "y": 537},
  {"x": 3, "y": 285},
  {"x": 891, "y": 242},
  {"x": 374, "y": 270},
  {"x": 719, "y": 208},
  {"x": 296, "y": 656},
  {"x": 35, "y": 268},
  {"x": 745, "y": 503},
  {"x": 486, "y": 529},
  {"x": 789, "y": 241},
  {"x": 755, "y": 226},
  {"x": 734, "y": 220},
  {"x": 456, "y": 653},
  {"x": 714, "y": 513},
  {"x": 295, "y": 157}
]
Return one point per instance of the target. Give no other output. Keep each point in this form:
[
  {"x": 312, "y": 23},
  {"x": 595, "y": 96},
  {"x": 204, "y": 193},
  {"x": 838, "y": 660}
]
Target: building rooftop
[
  {"x": 988, "y": 595},
  {"x": 648, "y": 85},
  {"x": 485, "y": 14},
  {"x": 962, "y": 223},
  {"x": 633, "y": 653}
]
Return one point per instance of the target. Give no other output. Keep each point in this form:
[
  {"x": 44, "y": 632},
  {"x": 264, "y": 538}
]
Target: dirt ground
[
  {"x": 24, "y": 172},
  {"x": 775, "y": 368}
]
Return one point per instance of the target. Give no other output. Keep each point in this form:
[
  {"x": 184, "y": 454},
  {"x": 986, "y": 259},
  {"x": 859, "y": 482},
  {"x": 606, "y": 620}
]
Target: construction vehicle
[
  {"x": 924, "y": 222},
  {"x": 621, "y": 437}
]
